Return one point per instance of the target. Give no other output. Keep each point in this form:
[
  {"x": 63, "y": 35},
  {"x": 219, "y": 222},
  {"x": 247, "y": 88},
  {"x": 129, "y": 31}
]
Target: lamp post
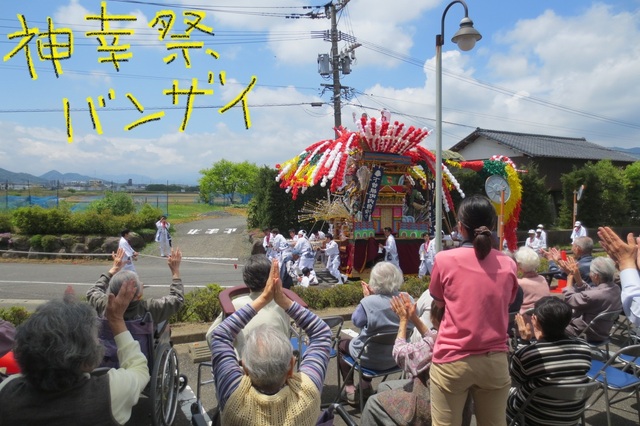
[{"x": 465, "y": 38}]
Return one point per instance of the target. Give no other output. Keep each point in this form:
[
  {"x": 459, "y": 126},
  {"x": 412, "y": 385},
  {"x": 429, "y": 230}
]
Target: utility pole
[
  {"x": 335, "y": 64},
  {"x": 339, "y": 62}
]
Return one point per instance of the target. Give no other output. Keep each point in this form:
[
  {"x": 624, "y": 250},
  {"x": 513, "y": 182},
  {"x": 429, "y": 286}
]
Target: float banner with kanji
[{"x": 372, "y": 192}]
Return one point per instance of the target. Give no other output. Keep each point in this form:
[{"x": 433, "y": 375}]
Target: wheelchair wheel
[{"x": 164, "y": 385}]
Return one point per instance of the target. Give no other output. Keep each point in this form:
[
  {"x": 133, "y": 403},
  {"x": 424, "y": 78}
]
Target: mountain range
[{"x": 54, "y": 175}]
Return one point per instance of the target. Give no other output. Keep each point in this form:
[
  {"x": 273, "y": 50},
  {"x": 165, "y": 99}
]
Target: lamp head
[{"x": 466, "y": 36}]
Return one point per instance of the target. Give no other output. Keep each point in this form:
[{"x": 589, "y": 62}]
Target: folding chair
[
  {"x": 335, "y": 322},
  {"x": 587, "y": 332},
  {"x": 570, "y": 393},
  {"x": 617, "y": 380},
  {"x": 364, "y": 372}
]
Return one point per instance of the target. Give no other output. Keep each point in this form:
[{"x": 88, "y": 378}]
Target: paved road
[{"x": 213, "y": 250}]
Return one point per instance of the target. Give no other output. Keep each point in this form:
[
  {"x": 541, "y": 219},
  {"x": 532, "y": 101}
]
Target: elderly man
[
  {"x": 626, "y": 256},
  {"x": 588, "y": 302},
  {"x": 255, "y": 274},
  {"x": 582, "y": 249},
  {"x": 266, "y": 389},
  {"x": 57, "y": 348},
  {"x": 161, "y": 308},
  {"x": 578, "y": 231}
]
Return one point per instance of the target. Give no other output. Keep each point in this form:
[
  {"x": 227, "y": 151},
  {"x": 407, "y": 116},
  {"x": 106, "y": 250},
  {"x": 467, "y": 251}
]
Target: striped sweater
[
  {"x": 548, "y": 363},
  {"x": 229, "y": 375}
]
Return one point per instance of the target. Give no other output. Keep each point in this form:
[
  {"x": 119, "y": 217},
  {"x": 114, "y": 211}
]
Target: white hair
[
  {"x": 604, "y": 267},
  {"x": 386, "y": 278},
  {"x": 527, "y": 259},
  {"x": 267, "y": 357}
]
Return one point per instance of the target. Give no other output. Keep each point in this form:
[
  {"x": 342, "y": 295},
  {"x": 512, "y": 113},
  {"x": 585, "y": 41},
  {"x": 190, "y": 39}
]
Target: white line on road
[{"x": 90, "y": 284}]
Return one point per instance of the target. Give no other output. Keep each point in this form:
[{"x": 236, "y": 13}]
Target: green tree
[
  {"x": 536, "y": 204},
  {"x": 228, "y": 178},
  {"x": 272, "y": 206},
  {"x": 632, "y": 174},
  {"x": 119, "y": 203},
  {"x": 604, "y": 199}
]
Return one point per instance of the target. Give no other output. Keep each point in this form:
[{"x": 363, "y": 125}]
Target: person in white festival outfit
[
  {"x": 578, "y": 231},
  {"x": 426, "y": 253},
  {"x": 130, "y": 253},
  {"x": 333, "y": 259},
  {"x": 163, "y": 238},
  {"x": 391, "y": 250}
]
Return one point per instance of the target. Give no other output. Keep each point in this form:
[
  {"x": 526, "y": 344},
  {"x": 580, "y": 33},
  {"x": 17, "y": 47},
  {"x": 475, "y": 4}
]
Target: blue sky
[{"x": 568, "y": 68}]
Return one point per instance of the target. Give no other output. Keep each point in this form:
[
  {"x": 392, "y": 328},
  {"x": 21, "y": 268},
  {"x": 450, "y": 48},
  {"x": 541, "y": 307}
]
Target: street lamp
[{"x": 465, "y": 38}]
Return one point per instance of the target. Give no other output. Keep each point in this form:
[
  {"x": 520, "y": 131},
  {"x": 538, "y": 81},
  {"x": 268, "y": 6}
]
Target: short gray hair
[
  {"x": 527, "y": 259},
  {"x": 267, "y": 357},
  {"x": 121, "y": 277},
  {"x": 58, "y": 344},
  {"x": 604, "y": 267},
  {"x": 585, "y": 244},
  {"x": 386, "y": 278}
]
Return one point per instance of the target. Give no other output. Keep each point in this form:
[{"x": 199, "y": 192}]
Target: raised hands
[
  {"x": 366, "y": 290},
  {"x": 173, "y": 261},
  {"x": 118, "y": 261},
  {"x": 273, "y": 290},
  {"x": 551, "y": 254},
  {"x": 117, "y": 305},
  {"x": 624, "y": 254},
  {"x": 524, "y": 328}
]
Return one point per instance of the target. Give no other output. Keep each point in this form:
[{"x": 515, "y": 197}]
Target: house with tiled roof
[{"x": 554, "y": 155}]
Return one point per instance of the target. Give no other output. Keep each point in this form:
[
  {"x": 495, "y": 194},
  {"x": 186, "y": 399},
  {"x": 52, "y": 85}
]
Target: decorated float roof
[{"x": 326, "y": 163}]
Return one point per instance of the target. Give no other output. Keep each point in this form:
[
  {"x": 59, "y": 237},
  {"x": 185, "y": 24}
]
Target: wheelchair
[{"x": 165, "y": 381}]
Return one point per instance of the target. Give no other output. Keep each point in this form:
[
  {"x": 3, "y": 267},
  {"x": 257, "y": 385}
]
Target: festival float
[{"x": 382, "y": 176}]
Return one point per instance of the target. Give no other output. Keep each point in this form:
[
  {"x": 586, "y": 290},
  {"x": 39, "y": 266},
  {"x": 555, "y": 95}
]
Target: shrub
[
  {"x": 16, "y": 315},
  {"x": 335, "y": 297},
  {"x": 36, "y": 241},
  {"x": 415, "y": 287},
  {"x": 5, "y": 222},
  {"x": 200, "y": 305},
  {"x": 51, "y": 243}
]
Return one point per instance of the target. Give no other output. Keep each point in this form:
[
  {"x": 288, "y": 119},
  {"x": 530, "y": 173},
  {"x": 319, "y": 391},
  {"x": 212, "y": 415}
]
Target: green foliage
[
  {"x": 604, "y": 199},
  {"x": 200, "y": 305},
  {"x": 36, "y": 241},
  {"x": 272, "y": 206},
  {"x": 632, "y": 174},
  {"x": 228, "y": 178},
  {"x": 5, "y": 222},
  {"x": 337, "y": 296},
  {"x": 537, "y": 205},
  {"x": 16, "y": 315},
  {"x": 50, "y": 243},
  {"x": 414, "y": 286},
  {"x": 37, "y": 220},
  {"x": 119, "y": 203}
]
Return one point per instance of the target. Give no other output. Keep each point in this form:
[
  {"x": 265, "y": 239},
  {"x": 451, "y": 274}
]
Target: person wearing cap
[
  {"x": 543, "y": 234},
  {"x": 541, "y": 242},
  {"x": 578, "y": 231},
  {"x": 532, "y": 242}
]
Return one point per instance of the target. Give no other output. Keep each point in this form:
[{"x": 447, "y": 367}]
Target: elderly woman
[
  {"x": 406, "y": 402},
  {"x": 57, "y": 348},
  {"x": 554, "y": 358},
  {"x": 266, "y": 389},
  {"x": 533, "y": 285},
  {"x": 373, "y": 315},
  {"x": 587, "y": 302}
]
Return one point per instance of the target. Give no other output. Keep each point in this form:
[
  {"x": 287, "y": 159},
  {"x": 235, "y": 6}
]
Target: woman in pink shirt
[{"x": 475, "y": 283}]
